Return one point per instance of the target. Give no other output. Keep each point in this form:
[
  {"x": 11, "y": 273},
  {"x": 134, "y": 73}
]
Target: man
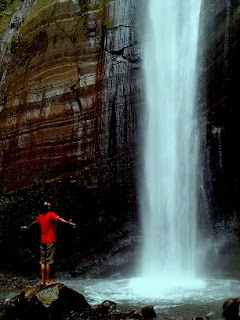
[{"x": 48, "y": 223}]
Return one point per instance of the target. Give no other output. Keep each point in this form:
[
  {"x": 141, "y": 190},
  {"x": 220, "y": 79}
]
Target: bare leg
[
  {"x": 48, "y": 271},
  {"x": 42, "y": 273}
]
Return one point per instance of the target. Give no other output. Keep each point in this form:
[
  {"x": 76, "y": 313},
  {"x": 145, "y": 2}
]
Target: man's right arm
[
  {"x": 27, "y": 227},
  {"x": 68, "y": 222}
]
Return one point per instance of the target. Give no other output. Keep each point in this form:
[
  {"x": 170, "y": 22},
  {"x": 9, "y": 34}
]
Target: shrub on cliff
[{"x": 4, "y": 4}]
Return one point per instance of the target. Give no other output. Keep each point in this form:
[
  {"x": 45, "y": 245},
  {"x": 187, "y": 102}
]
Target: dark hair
[{"x": 44, "y": 208}]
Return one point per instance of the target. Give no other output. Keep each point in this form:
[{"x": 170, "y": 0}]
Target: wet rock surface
[
  {"x": 38, "y": 302},
  {"x": 57, "y": 301},
  {"x": 231, "y": 309},
  {"x": 219, "y": 49},
  {"x": 11, "y": 283}
]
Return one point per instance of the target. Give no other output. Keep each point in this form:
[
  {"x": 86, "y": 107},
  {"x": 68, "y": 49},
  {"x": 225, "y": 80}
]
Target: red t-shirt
[{"x": 48, "y": 223}]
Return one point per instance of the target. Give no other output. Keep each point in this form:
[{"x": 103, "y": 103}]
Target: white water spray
[{"x": 169, "y": 195}]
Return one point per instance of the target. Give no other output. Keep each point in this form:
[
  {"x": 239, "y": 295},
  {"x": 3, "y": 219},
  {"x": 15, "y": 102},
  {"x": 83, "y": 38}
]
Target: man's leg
[
  {"x": 42, "y": 263},
  {"x": 43, "y": 273},
  {"x": 48, "y": 272},
  {"x": 51, "y": 250}
]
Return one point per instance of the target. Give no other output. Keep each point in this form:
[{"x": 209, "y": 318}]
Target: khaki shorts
[{"x": 47, "y": 253}]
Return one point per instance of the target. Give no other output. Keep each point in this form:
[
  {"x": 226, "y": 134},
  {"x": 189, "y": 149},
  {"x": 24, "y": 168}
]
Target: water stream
[{"x": 169, "y": 195}]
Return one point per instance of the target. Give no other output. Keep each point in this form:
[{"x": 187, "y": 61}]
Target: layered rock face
[
  {"x": 70, "y": 94},
  {"x": 219, "y": 89},
  {"x": 70, "y": 100}
]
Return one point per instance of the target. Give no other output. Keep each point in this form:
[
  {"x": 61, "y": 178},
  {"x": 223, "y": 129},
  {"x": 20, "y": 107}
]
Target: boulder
[
  {"x": 146, "y": 312},
  {"x": 108, "y": 310},
  {"x": 58, "y": 302},
  {"x": 104, "y": 310},
  {"x": 231, "y": 309},
  {"x": 55, "y": 302}
]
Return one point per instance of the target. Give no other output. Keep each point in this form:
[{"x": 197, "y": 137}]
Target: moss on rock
[{"x": 6, "y": 15}]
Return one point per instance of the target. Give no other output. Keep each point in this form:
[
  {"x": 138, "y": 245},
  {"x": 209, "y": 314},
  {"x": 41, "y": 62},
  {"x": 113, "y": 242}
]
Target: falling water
[{"x": 169, "y": 199}]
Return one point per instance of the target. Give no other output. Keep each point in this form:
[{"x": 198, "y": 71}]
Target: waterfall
[{"x": 171, "y": 145}]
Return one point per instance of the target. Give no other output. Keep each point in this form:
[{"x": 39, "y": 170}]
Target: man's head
[
  {"x": 47, "y": 204},
  {"x": 46, "y": 207}
]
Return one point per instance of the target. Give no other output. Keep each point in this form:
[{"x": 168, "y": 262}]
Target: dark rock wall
[{"x": 219, "y": 103}]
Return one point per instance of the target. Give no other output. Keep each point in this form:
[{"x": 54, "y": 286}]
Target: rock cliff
[
  {"x": 70, "y": 94},
  {"x": 70, "y": 98},
  {"x": 218, "y": 95}
]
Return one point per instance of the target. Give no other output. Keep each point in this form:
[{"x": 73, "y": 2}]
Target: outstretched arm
[
  {"x": 27, "y": 227},
  {"x": 68, "y": 222}
]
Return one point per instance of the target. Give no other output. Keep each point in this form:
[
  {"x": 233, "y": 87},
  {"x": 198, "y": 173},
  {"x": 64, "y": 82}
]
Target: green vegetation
[
  {"x": 37, "y": 16},
  {"x": 7, "y": 9},
  {"x": 4, "y": 4},
  {"x": 83, "y": 5},
  {"x": 97, "y": 7},
  {"x": 102, "y": 13},
  {"x": 90, "y": 181},
  {"x": 109, "y": 24}
]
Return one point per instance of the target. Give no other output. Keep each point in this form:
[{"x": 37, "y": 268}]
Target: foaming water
[
  {"x": 186, "y": 299},
  {"x": 160, "y": 288},
  {"x": 138, "y": 290},
  {"x": 181, "y": 300}
]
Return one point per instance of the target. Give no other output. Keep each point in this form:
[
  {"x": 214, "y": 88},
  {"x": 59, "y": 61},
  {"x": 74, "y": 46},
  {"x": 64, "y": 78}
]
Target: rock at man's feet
[
  {"x": 58, "y": 302},
  {"x": 50, "y": 302}
]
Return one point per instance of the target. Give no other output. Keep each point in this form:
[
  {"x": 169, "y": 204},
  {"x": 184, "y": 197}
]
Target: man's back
[{"x": 48, "y": 223}]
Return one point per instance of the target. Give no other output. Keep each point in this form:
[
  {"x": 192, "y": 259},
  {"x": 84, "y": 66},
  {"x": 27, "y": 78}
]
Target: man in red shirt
[{"x": 48, "y": 223}]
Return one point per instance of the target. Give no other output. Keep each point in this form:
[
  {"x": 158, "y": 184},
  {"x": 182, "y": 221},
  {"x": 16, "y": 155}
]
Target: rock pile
[{"x": 58, "y": 302}]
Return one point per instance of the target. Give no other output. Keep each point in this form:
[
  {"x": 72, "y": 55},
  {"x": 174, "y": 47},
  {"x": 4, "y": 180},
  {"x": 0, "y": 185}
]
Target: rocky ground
[
  {"x": 11, "y": 283},
  {"x": 59, "y": 302}
]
